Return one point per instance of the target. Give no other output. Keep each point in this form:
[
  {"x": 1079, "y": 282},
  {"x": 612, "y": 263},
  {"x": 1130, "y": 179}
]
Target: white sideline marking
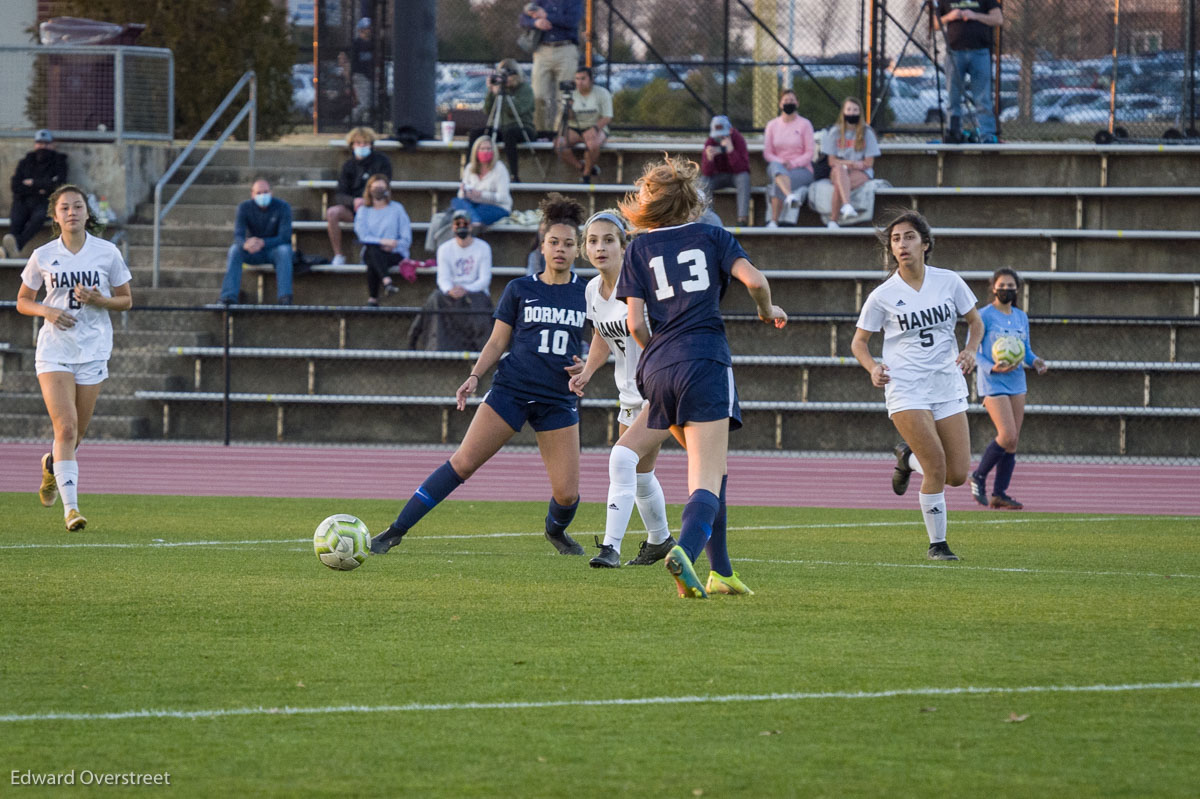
[
  {"x": 746, "y": 528},
  {"x": 969, "y": 690},
  {"x": 961, "y": 567}
]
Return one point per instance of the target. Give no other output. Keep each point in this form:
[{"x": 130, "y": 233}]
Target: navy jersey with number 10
[
  {"x": 547, "y": 322},
  {"x": 681, "y": 273}
]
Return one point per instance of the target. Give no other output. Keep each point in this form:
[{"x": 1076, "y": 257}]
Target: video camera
[
  {"x": 567, "y": 86},
  {"x": 500, "y": 77}
]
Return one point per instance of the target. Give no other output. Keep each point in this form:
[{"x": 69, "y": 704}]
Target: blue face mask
[
  {"x": 262, "y": 200},
  {"x": 362, "y": 152}
]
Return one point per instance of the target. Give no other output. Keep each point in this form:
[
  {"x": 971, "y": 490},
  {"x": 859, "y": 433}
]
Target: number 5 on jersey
[{"x": 696, "y": 263}]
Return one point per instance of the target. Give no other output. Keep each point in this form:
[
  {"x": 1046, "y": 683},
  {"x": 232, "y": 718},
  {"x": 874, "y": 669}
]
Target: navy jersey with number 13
[
  {"x": 547, "y": 322},
  {"x": 681, "y": 273}
]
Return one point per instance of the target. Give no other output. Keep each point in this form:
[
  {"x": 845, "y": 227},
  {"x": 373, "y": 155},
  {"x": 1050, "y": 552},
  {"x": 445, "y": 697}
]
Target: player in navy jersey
[
  {"x": 673, "y": 278},
  {"x": 1002, "y": 387},
  {"x": 539, "y": 321},
  {"x": 631, "y": 478},
  {"x": 922, "y": 368},
  {"x": 85, "y": 277}
]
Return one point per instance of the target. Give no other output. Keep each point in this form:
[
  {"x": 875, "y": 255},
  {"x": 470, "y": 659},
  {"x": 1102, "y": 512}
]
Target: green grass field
[{"x": 202, "y": 638}]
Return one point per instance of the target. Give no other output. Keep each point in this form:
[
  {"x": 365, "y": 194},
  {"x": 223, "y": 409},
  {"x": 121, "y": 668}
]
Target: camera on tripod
[
  {"x": 567, "y": 86},
  {"x": 500, "y": 77}
]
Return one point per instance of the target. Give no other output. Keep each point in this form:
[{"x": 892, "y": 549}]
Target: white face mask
[
  {"x": 362, "y": 152},
  {"x": 263, "y": 200}
]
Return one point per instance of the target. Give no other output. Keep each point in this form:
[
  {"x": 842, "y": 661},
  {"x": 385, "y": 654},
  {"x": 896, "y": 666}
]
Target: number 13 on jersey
[{"x": 697, "y": 265}]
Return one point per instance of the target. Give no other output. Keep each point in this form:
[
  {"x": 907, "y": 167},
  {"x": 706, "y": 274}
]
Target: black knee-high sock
[
  {"x": 991, "y": 456},
  {"x": 717, "y": 549},
  {"x": 560, "y": 517},
  {"x": 1004, "y": 470},
  {"x": 436, "y": 487}
]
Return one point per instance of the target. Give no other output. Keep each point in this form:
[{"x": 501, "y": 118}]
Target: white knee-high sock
[
  {"x": 622, "y": 488},
  {"x": 933, "y": 508},
  {"x": 915, "y": 464},
  {"x": 66, "y": 474},
  {"x": 652, "y": 506}
]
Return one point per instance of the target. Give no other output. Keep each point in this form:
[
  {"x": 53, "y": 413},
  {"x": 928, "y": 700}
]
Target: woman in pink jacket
[{"x": 788, "y": 146}]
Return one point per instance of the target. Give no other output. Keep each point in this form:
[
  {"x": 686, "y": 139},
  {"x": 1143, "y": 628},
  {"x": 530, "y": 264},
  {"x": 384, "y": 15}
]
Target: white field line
[
  {"x": 964, "y": 567},
  {"x": 748, "y": 528},
  {"x": 970, "y": 690}
]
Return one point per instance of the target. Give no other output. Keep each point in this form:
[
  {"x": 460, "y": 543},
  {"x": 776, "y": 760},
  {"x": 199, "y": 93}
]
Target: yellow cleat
[
  {"x": 48, "y": 493},
  {"x": 685, "y": 576},
  {"x": 75, "y": 521},
  {"x": 718, "y": 584}
]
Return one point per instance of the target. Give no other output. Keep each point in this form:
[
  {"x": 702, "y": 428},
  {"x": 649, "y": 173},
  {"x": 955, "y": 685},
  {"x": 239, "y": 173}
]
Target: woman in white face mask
[
  {"x": 484, "y": 193},
  {"x": 383, "y": 228},
  {"x": 364, "y": 162}
]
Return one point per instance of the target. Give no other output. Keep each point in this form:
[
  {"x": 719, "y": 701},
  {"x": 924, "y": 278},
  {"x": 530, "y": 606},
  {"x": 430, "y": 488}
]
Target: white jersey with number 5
[
  {"x": 919, "y": 344},
  {"x": 610, "y": 319},
  {"x": 98, "y": 265}
]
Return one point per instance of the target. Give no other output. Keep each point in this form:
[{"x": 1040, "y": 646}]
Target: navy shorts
[
  {"x": 692, "y": 391},
  {"x": 542, "y": 416}
]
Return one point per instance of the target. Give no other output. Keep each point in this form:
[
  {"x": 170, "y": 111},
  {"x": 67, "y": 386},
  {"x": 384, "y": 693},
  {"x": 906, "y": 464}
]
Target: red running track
[{"x": 378, "y": 473}]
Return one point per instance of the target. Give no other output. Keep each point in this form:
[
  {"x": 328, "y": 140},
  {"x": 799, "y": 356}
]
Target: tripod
[{"x": 493, "y": 123}]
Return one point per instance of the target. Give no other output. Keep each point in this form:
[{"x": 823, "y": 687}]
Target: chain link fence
[
  {"x": 1066, "y": 69},
  {"x": 88, "y": 93}
]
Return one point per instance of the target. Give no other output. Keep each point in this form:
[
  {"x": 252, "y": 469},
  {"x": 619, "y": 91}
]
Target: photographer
[
  {"x": 725, "y": 162},
  {"x": 556, "y": 54},
  {"x": 586, "y": 113},
  {"x": 504, "y": 84}
]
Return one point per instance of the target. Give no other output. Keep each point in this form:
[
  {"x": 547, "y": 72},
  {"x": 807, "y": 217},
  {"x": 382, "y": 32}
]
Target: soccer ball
[
  {"x": 1008, "y": 350},
  {"x": 342, "y": 542}
]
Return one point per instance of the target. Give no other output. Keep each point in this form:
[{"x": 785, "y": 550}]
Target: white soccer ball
[
  {"x": 342, "y": 542},
  {"x": 1008, "y": 350}
]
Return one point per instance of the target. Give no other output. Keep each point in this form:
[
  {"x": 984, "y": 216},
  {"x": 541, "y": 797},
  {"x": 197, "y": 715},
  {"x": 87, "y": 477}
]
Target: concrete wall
[{"x": 124, "y": 173}]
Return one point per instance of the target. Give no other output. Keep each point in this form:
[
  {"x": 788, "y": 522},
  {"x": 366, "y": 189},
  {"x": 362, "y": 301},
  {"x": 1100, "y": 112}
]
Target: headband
[{"x": 607, "y": 216}]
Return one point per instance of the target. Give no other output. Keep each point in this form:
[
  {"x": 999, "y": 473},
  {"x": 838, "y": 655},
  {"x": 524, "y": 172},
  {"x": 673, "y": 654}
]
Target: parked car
[
  {"x": 1054, "y": 105},
  {"x": 303, "y": 92}
]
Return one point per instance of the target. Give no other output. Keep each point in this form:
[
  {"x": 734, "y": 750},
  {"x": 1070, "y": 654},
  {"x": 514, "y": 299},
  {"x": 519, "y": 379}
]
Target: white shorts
[
  {"x": 940, "y": 410},
  {"x": 629, "y": 412},
  {"x": 86, "y": 374}
]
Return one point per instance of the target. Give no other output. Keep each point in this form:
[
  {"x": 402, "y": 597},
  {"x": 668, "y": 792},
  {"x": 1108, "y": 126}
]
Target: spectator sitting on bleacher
[
  {"x": 724, "y": 162},
  {"x": 788, "y": 146},
  {"x": 383, "y": 228},
  {"x": 464, "y": 274},
  {"x": 851, "y": 147},
  {"x": 484, "y": 193},
  {"x": 262, "y": 234},
  {"x": 352, "y": 182},
  {"x": 588, "y": 115},
  {"x": 39, "y": 173},
  {"x": 512, "y": 130}
]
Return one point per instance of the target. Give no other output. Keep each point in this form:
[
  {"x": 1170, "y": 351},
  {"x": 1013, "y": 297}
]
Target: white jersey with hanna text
[
  {"x": 610, "y": 319},
  {"x": 919, "y": 345},
  {"x": 98, "y": 265}
]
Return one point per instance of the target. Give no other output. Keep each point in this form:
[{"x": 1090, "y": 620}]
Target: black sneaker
[
  {"x": 979, "y": 488},
  {"x": 941, "y": 551},
  {"x": 565, "y": 544},
  {"x": 903, "y": 471},
  {"x": 381, "y": 543},
  {"x": 649, "y": 554},
  {"x": 607, "y": 559}
]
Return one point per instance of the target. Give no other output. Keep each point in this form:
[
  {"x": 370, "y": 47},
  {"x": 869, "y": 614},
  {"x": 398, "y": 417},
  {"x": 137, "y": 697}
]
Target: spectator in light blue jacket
[
  {"x": 384, "y": 230},
  {"x": 261, "y": 235}
]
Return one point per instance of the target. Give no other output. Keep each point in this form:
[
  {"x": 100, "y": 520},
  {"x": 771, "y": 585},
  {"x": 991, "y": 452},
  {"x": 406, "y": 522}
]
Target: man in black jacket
[
  {"x": 364, "y": 162},
  {"x": 38, "y": 174}
]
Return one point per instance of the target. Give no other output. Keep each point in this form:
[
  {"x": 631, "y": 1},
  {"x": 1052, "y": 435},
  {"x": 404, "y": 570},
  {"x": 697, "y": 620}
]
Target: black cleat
[
  {"x": 941, "y": 551},
  {"x": 903, "y": 471},
  {"x": 979, "y": 488},
  {"x": 565, "y": 544},
  {"x": 649, "y": 554},
  {"x": 607, "y": 559},
  {"x": 1004, "y": 502},
  {"x": 381, "y": 543}
]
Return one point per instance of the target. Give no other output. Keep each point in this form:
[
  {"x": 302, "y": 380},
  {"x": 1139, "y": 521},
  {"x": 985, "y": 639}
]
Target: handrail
[{"x": 250, "y": 108}]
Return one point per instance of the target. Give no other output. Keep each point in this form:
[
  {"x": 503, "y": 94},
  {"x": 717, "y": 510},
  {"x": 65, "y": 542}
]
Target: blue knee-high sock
[
  {"x": 697, "y": 523},
  {"x": 560, "y": 516},
  {"x": 436, "y": 487},
  {"x": 716, "y": 548},
  {"x": 991, "y": 456},
  {"x": 1004, "y": 470}
]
